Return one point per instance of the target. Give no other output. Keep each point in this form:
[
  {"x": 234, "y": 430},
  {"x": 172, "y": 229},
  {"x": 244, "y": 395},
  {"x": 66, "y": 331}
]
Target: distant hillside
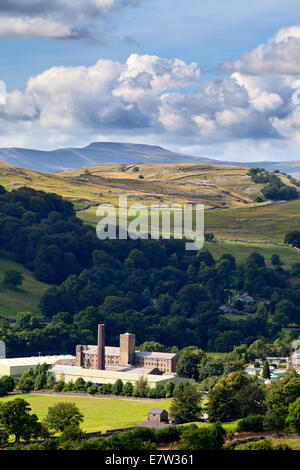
[
  {"x": 290, "y": 168},
  {"x": 213, "y": 185},
  {"x": 94, "y": 154},
  {"x": 114, "y": 153}
]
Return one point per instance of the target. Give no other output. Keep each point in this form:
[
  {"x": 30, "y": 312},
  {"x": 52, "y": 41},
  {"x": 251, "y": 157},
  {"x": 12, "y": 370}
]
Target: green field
[
  {"x": 261, "y": 223},
  {"x": 23, "y": 299},
  {"x": 294, "y": 444},
  {"x": 216, "y": 355},
  {"x": 241, "y": 251},
  {"x": 230, "y": 426},
  {"x": 100, "y": 414}
]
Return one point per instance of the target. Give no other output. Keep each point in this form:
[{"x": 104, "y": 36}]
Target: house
[
  {"x": 158, "y": 415},
  {"x": 157, "y": 418},
  {"x": 245, "y": 298}
]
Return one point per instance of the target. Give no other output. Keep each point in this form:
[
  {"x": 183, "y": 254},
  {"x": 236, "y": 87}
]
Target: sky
[{"x": 214, "y": 79}]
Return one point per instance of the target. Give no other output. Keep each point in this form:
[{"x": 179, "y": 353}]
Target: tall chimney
[{"x": 101, "y": 348}]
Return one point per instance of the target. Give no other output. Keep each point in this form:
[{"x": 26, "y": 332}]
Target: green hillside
[{"x": 23, "y": 299}]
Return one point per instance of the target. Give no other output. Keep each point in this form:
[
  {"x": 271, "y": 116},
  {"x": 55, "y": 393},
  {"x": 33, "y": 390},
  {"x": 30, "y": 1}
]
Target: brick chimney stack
[{"x": 101, "y": 348}]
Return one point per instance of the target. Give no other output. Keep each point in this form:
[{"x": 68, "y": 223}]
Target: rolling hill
[
  {"x": 215, "y": 186},
  {"x": 120, "y": 154},
  {"x": 94, "y": 154}
]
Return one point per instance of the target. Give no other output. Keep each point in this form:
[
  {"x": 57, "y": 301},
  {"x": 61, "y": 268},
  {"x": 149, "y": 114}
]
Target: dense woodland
[{"x": 152, "y": 288}]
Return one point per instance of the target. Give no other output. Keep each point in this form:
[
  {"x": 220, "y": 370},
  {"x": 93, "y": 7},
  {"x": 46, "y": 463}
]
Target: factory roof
[
  {"x": 154, "y": 355},
  {"x": 115, "y": 351},
  {"x": 34, "y": 360},
  {"x": 109, "y": 350},
  {"x": 97, "y": 375}
]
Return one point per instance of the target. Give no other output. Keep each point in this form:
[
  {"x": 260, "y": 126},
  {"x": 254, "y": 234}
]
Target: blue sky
[
  {"x": 262, "y": 125},
  {"x": 208, "y": 33}
]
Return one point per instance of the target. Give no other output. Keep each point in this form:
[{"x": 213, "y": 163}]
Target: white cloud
[
  {"x": 60, "y": 19},
  {"x": 164, "y": 101},
  {"x": 2, "y": 93},
  {"x": 281, "y": 55}
]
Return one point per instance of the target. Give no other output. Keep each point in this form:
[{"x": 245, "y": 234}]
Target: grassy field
[
  {"x": 23, "y": 299},
  {"x": 230, "y": 426},
  {"x": 228, "y": 190},
  {"x": 216, "y": 355},
  {"x": 260, "y": 223},
  {"x": 241, "y": 251},
  {"x": 294, "y": 444},
  {"x": 100, "y": 414},
  {"x": 214, "y": 186}
]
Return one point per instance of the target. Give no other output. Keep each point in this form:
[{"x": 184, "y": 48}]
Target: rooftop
[
  {"x": 115, "y": 351},
  {"x": 155, "y": 355},
  {"x": 157, "y": 410},
  {"x": 113, "y": 374},
  {"x": 34, "y": 360}
]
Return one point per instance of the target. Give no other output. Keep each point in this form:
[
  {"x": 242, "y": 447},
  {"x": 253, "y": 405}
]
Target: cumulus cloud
[
  {"x": 163, "y": 101},
  {"x": 106, "y": 97},
  {"x": 60, "y": 19},
  {"x": 145, "y": 95},
  {"x": 281, "y": 55}
]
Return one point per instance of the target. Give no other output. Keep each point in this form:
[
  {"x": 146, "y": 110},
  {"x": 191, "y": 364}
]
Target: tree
[
  {"x": 186, "y": 404},
  {"x": 235, "y": 396},
  {"x": 293, "y": 419},
  {"x": 275, "y": 260},
  {"x": 266, "y": 373},
  {"x": 62, "y": 415},
  {"x": 251, "y": 423},
  {"x": 293, "y": 238},
  {"x": 12, "y": 279},
  {"x": 210, "y": 367},
  {"x": 188, "y": 363},
  {"x": 274, "y": 419},
  {"x": 128, "y": 389},
  {"x": 169, "y": 389},
  {"x": 191, "y": 295},
  {"x": 72, "y": 434},
  {"x": 284, "y": 392},
  {"x": 117, "y": 387},
  {"x": 210, "y": 438},
  {"x": 7, "y": 384},
  {"x": 80, "y": 385},
  {"x": 16, "y": 419},
  {"x": 141, "y": 388},
  {"x": 152, "y": 346}
]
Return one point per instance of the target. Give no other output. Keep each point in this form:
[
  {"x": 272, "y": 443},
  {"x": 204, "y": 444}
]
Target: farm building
[{"x": 157, "y": 418}]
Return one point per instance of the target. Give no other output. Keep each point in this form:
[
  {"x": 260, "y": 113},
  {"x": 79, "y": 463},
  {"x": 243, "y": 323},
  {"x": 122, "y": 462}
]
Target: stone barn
[{"x": 158, "y": 416}]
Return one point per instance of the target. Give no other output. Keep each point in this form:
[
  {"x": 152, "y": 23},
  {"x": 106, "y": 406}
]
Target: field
[
  {"x": 227, "y": 193},
  {"x": 239, "y": 226},
  {"x": 242, "y": 250},
  {"x": 23, "y": 299},
  {"x": 230, "y": 426},
  {"x": 100, "y": 414},
  {"x": 294, "y": 444},
  {"x": 261, "y": 223},
  {"x": 214, "y": 186}
]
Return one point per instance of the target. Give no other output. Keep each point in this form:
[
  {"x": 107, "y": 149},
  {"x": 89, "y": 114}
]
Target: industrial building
[
  {"x": 101, "y": 377},
  {"x": 15, "y": 367},
  {"x": 100, "y": 364},
  {"x": 101, "y": 357}
]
